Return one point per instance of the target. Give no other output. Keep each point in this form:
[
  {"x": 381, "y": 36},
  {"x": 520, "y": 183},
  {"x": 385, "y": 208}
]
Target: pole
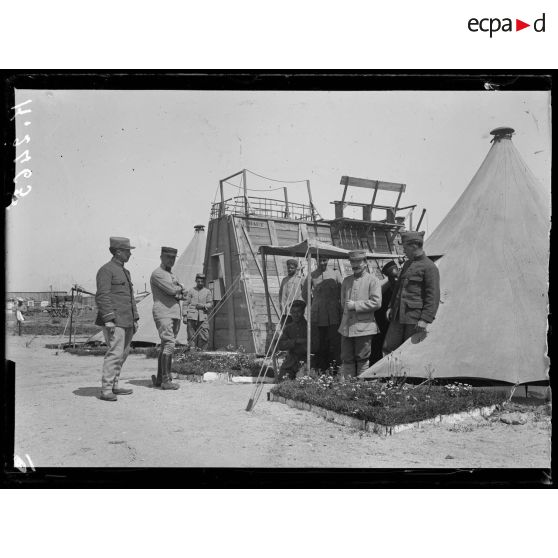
[
  {"x": 245, "y": 192},
  {"x": 420, "y": 220},
  {"x": 310, "y": 198},
  {"x": 222, "y": 206},
  {"x": 287, "y": 214},
  {"x": 308, "y": 313},
  {"x": 71, "y": 317}
]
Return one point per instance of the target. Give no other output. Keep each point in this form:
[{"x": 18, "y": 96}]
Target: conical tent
[
  {"x": 492, "y": 320},
  {"x": 188, "y": 264}
]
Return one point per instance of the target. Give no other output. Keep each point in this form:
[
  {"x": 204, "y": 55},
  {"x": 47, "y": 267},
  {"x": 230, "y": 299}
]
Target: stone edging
[{"x": 362, "y": 424}]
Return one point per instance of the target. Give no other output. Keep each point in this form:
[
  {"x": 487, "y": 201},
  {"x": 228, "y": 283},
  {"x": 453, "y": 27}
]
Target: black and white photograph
[{"x": 293, "y": 277}]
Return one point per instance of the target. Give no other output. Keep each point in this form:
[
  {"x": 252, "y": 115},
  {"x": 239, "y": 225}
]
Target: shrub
[{"x": 386, "y": 402}]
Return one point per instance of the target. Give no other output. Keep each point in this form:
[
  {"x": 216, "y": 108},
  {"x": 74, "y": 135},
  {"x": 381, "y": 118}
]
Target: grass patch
[
  {"x": 386, "y": 402},
  {"x": 237, "y": 364}
]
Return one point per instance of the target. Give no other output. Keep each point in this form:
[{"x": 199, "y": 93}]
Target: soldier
[
  {"x": 167, "y": 292},
  {"x": 197, "y": 303},
  {"x": 325, "y": 312},
  {"x": 289, "y": 290},
  {"x": 416, "y": 298},
  {"x": 293, "y": 340},
  {"x": 391, "y": 272},
  {"x": 361, "y": 295},
  {"x": 117, "y": 315}
]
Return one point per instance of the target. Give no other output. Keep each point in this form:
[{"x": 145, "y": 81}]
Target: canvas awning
[{"x": 316, "y": 248}]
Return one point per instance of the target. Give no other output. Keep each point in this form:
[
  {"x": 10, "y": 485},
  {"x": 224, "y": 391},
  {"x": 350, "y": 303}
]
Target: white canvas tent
[
  {"x": 492, "y": 320},
  {"x": 188, "y": 264}
]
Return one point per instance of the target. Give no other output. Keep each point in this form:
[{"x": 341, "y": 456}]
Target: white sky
[{"x": 146, "y": 164}]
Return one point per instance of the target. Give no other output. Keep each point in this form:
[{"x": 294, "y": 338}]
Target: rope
[{"x": 275, "y": 180}]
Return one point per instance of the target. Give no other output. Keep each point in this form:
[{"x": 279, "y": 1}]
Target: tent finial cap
[{"x": 502, "y": 132}]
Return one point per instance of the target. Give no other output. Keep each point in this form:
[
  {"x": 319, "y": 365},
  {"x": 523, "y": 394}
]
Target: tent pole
[{"x": 308, "y": 313}]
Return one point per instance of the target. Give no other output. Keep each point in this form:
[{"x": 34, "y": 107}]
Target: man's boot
[
  {"x": 157, "y": 381},
  {"x": 167, "y": 377}
]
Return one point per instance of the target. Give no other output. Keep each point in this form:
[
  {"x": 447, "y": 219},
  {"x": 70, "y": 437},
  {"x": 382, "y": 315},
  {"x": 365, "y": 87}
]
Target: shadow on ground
[
  {"x": 88, "y": 391},
  {"x": 141, "y": 383}
]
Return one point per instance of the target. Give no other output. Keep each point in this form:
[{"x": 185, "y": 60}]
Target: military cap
[
  {"x": 357, "y": 255},
  {"x": 299, "y": 304},
  {"x": 166, "y": 250},
  {"x": 292, "y": 261},
  {"x": 409, "y": 236},
  {"x": 388, "y": 266},
  {"x": 200, "y": 276},
  {"x": 120, "y": 243}
]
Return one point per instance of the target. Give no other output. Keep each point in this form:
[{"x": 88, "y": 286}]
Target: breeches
[
  {"x": 355, "y": 349},
  {"x": 118, "y": 344},
  {"x": 168, "y": 329},
  {"x": 201, "y": 331},
  {"x": 397, "y": 334}
]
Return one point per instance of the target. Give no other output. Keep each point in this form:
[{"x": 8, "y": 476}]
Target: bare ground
[{"x": 60, "y": 421}]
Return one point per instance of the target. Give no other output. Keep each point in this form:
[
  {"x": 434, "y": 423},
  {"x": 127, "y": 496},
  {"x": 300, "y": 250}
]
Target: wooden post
[
  {"x": 287, "y": 213},
  {"x": 420, "y": 220},
  {"x": 309, "y": 311},
  {"x": 222, "y": 206},
  {"x": 71, "y": 317},
  {"x": 310, "y": 198},
  {"x": 268, "y": 306},
  {"x": 245, "y": 193}
]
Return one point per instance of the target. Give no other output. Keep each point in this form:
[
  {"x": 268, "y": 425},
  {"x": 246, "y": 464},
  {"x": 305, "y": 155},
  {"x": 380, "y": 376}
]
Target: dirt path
[{"x": 61, "y": 422}]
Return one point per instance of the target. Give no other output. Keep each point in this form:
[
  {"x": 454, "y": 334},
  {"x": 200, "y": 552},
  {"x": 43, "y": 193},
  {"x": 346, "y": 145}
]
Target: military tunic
[
  {"x": 416, "y": 297},
  {"x": 286, "y": 294}
]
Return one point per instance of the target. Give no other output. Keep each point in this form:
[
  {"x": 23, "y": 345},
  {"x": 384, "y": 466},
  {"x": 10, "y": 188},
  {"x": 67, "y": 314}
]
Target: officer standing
[
  {"x": 289, "y": 290},
  {"x": 416, "y": 298},
  {"x": 325, "y": 314},
  {"x": 167, "y": 292},
  {"x": 197, "y": 303},
  {"x": 361, "y": 295},
  {"x": 117, "y": 314}
]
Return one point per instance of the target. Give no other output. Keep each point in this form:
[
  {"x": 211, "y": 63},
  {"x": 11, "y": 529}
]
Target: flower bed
[
  {"x": 237, "y": 364},
  {"x": 386, "y": 402}
]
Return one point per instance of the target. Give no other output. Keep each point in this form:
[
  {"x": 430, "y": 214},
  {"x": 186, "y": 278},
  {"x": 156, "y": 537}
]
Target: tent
[
  {"x": 188, "y": 264},
  {"x": 492, "y": 321}
]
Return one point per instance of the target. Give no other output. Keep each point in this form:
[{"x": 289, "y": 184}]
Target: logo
[{"x": 493, "y": 25}]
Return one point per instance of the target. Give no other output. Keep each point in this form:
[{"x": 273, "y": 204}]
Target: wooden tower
[{"x": 239, "y": 225}]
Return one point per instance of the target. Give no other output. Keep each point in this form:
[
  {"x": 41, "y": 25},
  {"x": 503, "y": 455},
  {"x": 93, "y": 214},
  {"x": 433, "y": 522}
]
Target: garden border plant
[{"x": 389, "y": 403}]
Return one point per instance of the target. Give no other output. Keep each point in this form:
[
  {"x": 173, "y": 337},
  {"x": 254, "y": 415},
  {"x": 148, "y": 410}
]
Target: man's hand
[
  {"x": 200, "y": 306},
  {"x": 421, "y": 325},
  {"x": 110, "y": 327},
  {"x": 350, "y": 304},
  {"x": 136, "y": 326}
]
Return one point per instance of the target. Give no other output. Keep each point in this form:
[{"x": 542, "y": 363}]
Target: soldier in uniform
[
  {"x": 289, "y": 290},
  {"x": 391, "y": 272},
  {"x": 293, "y": 340},
  {"x": 167, "y": 292},
  {"x": 117, "y": 314},
  {"x": 416, "y": 298},
  {"x": 325, "y": 313},
  {"x": 361, "y": 295},
  {"x": 197, "y": 303}
]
